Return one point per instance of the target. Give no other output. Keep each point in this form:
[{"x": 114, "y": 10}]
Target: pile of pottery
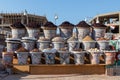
[{"x": 27, "y": 42}]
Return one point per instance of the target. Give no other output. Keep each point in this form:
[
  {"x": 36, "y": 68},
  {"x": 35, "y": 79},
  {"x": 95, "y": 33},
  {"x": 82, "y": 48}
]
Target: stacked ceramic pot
[
  {"x": 66, "y": 30},
  {"x": 64, "y": 56},
  {"x": 18, "y": 30},
  {"x": 49, "y": 30},
  {"x": 58, "y": 43},
  {"x": 33, "y": 30},
  {"x": 78, "y": 56},
  {"x": 49, "y": 54},
  {"x": 73, "y": 43},
  {"x": 103, "y": 43},
  {"x": 83, "y": 29},
  {"x": 12, "y": 44},
  {"x": 36, "y": 56},
  {"x": 28, "y": 43},
  {"x": 43, "y": 43},
  {"x": 99, "y": 30},
  {"x": 22, "y": 55},
  {"x": 88, "y": 43}
]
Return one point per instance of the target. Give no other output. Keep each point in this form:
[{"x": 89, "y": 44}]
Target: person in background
[{"x": 115, "y": 45}]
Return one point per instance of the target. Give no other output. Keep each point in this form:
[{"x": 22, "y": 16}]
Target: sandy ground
[{"x": 57, "y": 77}]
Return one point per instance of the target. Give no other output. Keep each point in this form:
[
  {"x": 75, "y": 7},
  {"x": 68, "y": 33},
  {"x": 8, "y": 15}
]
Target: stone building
[{"x": 6, "y": 19}]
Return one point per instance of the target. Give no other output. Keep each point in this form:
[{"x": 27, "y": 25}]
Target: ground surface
[{"x": 57, "y": 77}]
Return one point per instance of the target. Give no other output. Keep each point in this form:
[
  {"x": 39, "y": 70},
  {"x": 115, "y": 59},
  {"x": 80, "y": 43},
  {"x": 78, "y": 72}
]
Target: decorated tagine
[
  {"x": 43, "y": 43},
  {"x": 33, "y": 30},
  {"x": 22, "y": 55},
  {"x": 83, "y": 29},
  {"x": 49, "y": 30},
  {"x": 66, "y": 29},
  {"x": 36, "y": 56},
  {"x": 58, "y": 43},
  {"x": 18, "y": 30},
  {"x": 99, "y": 30}
]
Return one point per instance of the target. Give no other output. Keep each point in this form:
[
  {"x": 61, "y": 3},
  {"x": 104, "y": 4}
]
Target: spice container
[
  {"x": 36, "y": 56},
  {"x": 58, "y": 43},
  {"x": 88, "y": 43},
  {"x": 103, "y": 43},
  {"x": 18, "y": 30},
  {"x": 83, "y": 30},
  {"x": 99, "y": 30},
  {"x": 22, "y": 55},
  {"x": 73, "y": 43},
  {"x": 12, "y": 44},
  {"x": 78, "y": 56},
  {"x": 64, "y": 56},
  {"x": 43, "y": 43},
  {"x": 28, "y": 43},
  {"x": 66, "y": 30},
  {"x": 49, "y": 55},
  {"x": 33, "y": 30},
  {"x": 49, "y": 30}
]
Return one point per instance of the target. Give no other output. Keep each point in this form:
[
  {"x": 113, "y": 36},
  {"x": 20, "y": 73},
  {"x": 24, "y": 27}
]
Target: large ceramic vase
[
  {"x": 7, "y": 58},
  {"x": 110, "y": 58},
  {"x": 43, "y": 44},
  {"x": 64, "y": 57},
  {"x": 78, "y": 57},
  {"x": 22, "y": 57},
  {"x": 103, "y": 45},
  {"x": 66, "y": 30},
  {"x": 49, "y": 30},
  {"x": 99, "y": 30},
  {"x": 88, "y": 45},
  {"x": 36, "y": 57},
  {"x": 12, "y": 44},
  {"x": 95, "y": 57},
  {"x": 58, "y": 43},
  {"x": 28, "y": 43},
  {"x": 83, "y": 29}
]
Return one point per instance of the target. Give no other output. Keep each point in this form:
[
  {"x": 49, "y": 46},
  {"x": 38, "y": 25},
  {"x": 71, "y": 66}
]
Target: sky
[{"x": 67, "y": 10}]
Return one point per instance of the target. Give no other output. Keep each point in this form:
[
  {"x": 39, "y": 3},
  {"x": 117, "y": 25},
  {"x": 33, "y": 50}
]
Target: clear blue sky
[{"x": 67, "y": 10}]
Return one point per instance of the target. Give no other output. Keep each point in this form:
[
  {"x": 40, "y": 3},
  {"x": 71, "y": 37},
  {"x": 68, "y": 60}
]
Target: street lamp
[{"x": 58, "y": 30}]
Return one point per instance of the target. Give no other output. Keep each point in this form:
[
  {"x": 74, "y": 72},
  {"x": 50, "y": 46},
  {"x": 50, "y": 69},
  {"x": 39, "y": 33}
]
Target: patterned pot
[
  {"x": 12, "y": 45},
  {"x": 22, "y": 57},
  {"x": 110, "y": 57},
  {"x": 18, "y": 32},
  {"x": 7, "y": 58},
  {"x": 36, "y": 57},
  {"x": 49, "y": 34},
  {"x": 82, "y": 32},
  {"x": 78, "y": 57},
  {"x": 33, "y": 32},
  {"x": 73, "y": 45},
  {"x": 1, "y": 50},
  {"x": 28, "y": 44},
  {"x": 65, "y": 33},
  {"x": 99, "y": 32},
  {"x": 58, "y": 45},
  {"x": 49, "y": 58},
  {"x": 103, "y": 45},
  {"x": 95, "y": 57},
  {"x": 64, "y": 57},
  {"x": 43, "y": 45},
  {"x": 88, "y": 45}
]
